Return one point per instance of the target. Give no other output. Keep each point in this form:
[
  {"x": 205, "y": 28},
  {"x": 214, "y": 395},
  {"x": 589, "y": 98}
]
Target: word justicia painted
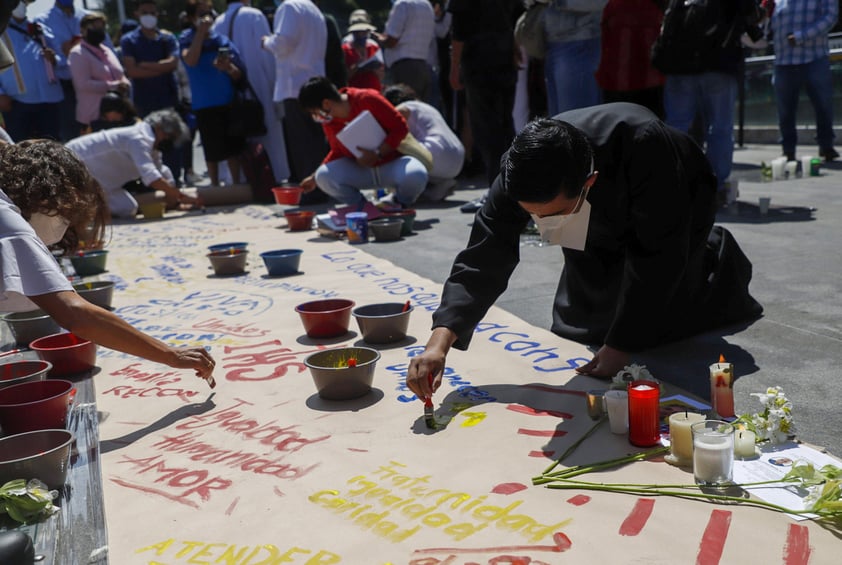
[
  {"x": 395, "y": 506},
  {"x": 418, "y": 295},
  {"x": 233, "y": 554},
  {"x": 543, "y": 359}
]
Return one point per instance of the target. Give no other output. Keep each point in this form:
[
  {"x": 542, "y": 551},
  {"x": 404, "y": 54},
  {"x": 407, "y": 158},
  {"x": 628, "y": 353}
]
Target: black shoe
[
  {"x": 474, "y": 205},
  {"x": 829, "y": 154}
]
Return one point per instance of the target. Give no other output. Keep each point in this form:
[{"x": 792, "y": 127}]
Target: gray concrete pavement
[{"x": 797, "y": 256}]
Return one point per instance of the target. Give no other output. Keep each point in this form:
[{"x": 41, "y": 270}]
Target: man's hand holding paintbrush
[{"x": 425, "y": 371}]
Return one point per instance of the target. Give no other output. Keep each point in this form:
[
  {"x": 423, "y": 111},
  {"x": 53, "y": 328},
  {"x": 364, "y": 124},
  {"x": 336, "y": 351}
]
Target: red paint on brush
[
  {"x": 637, "y": 518},
  {"x": 797, "y": 548},
  {"x": 406, "y": 307},
  {"x": 713, "y": 540},
  {"x": 352, "y": 362},
  {"x": 508, "y": 488}
]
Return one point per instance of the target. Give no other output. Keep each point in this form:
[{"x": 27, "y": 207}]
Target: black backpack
[{"x": 695, "y": 33}]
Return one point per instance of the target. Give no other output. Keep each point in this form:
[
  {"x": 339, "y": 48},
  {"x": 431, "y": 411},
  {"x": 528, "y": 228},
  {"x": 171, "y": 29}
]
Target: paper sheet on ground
[{"x": 775, "y": 462}]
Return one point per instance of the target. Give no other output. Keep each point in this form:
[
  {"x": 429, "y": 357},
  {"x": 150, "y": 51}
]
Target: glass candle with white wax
[{"x": 713, "y": 452}]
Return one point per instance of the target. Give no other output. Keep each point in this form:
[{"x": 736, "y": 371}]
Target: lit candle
[
  {"x": 744, "y": 441},
  {"x": 713, "y": 452},
  {"x": 681, "y": 438},
  {"x": 644, "y": 411},
  {"x": 722, "y": 388}
]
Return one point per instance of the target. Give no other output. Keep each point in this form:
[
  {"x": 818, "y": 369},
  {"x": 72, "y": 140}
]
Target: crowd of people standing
[{"x": 459, "y": 57}]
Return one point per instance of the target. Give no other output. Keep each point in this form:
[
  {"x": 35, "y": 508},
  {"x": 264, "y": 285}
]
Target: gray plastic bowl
[
  {"x": 382, "y": 323},
  {"x": 335, "y": 380},
  {"x": 231, "y": 262},
  {"x": 18, "y": 372},
  {"x": 386, "y": 229},
  {"x": 42, "y": 455},
  {"x": 29, "y": 326},
  {"x": 97, "y": 292}
]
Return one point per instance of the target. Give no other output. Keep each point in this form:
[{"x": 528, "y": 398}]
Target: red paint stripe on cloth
[
  {"x": 579, "y": 499},
  {"x": 542, "y": 433},
  {"x": 713, "y": 540},
  {"x": 637, "y": 518},
  {"x": 797, "y": 548},
  {"x": 521, "y": 409},
  {"x": 547, "y": 454},
  {"x": 556, "y": 390}
]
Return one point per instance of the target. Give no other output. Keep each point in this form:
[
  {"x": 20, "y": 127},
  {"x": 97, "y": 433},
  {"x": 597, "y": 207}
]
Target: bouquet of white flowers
[{"x": 774, "y": 422}]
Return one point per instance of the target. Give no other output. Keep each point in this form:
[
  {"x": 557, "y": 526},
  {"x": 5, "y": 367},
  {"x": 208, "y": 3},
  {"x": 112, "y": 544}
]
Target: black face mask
[
  {"x": 95, "y": 36},
  {"x": 166, "y": 145}
]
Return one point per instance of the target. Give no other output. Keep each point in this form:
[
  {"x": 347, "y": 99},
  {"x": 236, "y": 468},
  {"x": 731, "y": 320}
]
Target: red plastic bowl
[
  {"x": 299, "y": 220},
  {"x": 288, "y": 195},
  {"x": 18, "y": 372},
  {"x": 36, "y": 405},
  {"x": 69, "y": 354},
  {"x": 326, "y": 318}
]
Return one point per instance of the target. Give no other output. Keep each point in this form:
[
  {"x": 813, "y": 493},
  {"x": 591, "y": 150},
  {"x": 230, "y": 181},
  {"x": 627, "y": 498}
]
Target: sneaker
[
  {"x": 389, "y": 203},
  {"x": 829, "y": 154},
  {"x": 474, "y": 205}
]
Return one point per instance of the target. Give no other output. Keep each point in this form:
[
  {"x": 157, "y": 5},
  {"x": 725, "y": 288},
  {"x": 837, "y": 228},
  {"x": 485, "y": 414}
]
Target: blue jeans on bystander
[
  {"x": 343, "y": 179},
  {"x": 816, "y": 77},
  {"x": 712, "y": 95}
]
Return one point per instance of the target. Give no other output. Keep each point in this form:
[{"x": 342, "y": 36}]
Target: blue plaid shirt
[{"x": 810, "y": 21}]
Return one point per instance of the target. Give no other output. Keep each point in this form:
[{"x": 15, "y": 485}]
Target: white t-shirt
[
  {"x": 428, "y": 126},
  {"x": 27, "y": 268}
]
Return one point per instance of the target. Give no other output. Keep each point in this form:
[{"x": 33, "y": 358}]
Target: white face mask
[
  {"x": 570, "y": 231},
  {"x": 19, "y": 13},
  {"x": 49, "y": 229},
  {"x": 148, "y": 21}
]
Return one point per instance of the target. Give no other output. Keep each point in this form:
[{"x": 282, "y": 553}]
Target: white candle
[
  {"x": 713, "y": 459},
  {"x": 617, "y": 403},
  {"x": 721, "y": 388},
  {"x": 681, "y": 438},
  {"x": 744, "y": 441}
]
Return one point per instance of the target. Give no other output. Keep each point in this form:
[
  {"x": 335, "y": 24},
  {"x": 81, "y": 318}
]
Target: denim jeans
[
  {"x": 569, "y": 68},
  {"x": 343, "y": 179},
  {"x": 711, "y": 95},
  {"x": 788, "y": 82}
]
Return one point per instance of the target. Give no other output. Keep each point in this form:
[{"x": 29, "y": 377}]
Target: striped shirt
[{"x": 809, "y": 21}]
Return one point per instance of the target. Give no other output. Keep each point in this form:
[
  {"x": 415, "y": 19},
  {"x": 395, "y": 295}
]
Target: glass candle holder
[
  {"x": 644, "y": 411},
  {"x": 713, "y": 453}
]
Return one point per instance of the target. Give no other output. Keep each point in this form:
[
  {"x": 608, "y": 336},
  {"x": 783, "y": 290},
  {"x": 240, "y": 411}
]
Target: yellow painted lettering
[
  {"x": 365, "y": 487},
  {"x": 188, "y": 547},
  {"x": 232, "y": 555},
  {"x": 436, "y": 520},
  {"x": 204, "y": 552},
  {"x": 159, "y": 547},
  {"x": 463, "y": 530},
  {"x": 473, "y": 418}
]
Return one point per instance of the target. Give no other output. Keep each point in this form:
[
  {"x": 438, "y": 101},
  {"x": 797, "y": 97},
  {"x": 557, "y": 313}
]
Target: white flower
[
  {"x": 774, "y": 422},
  {"x": 631, "y": 373}
]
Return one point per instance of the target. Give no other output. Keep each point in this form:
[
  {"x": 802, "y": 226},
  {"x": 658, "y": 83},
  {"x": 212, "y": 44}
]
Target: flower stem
[{"x": 573, "y": 447}]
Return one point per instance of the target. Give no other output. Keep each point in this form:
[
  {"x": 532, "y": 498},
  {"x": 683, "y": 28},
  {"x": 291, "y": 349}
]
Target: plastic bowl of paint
[
  {"x": 36, "y": 405},
  {"x": 326, "y": 318},
  {"x": 87, "y": 263},
  {"x": 299, "y": 220},
  {"x": 282, "y": 262},
  {"x": 383, "y": 323},
  {"x": 230, "y": 262},
  {"x": 42, "y": 455},
  {"x": 288, "y": 195},
  {"x": 23, "y": 371},
  {"x": 26, "y": 327},
  {"x": 344, "y": 373},
  {"x": 96, "y": 292},
  {"x": 69, "y": 353}
]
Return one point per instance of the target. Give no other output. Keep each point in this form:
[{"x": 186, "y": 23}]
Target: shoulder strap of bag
[{"x": 231, "y": 23}]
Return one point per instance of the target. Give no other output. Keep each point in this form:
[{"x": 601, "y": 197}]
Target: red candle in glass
[{"x": 644, "y": 411}]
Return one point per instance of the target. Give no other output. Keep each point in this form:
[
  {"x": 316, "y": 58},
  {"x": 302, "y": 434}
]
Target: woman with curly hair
[{"x": 48, "y": 198}]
